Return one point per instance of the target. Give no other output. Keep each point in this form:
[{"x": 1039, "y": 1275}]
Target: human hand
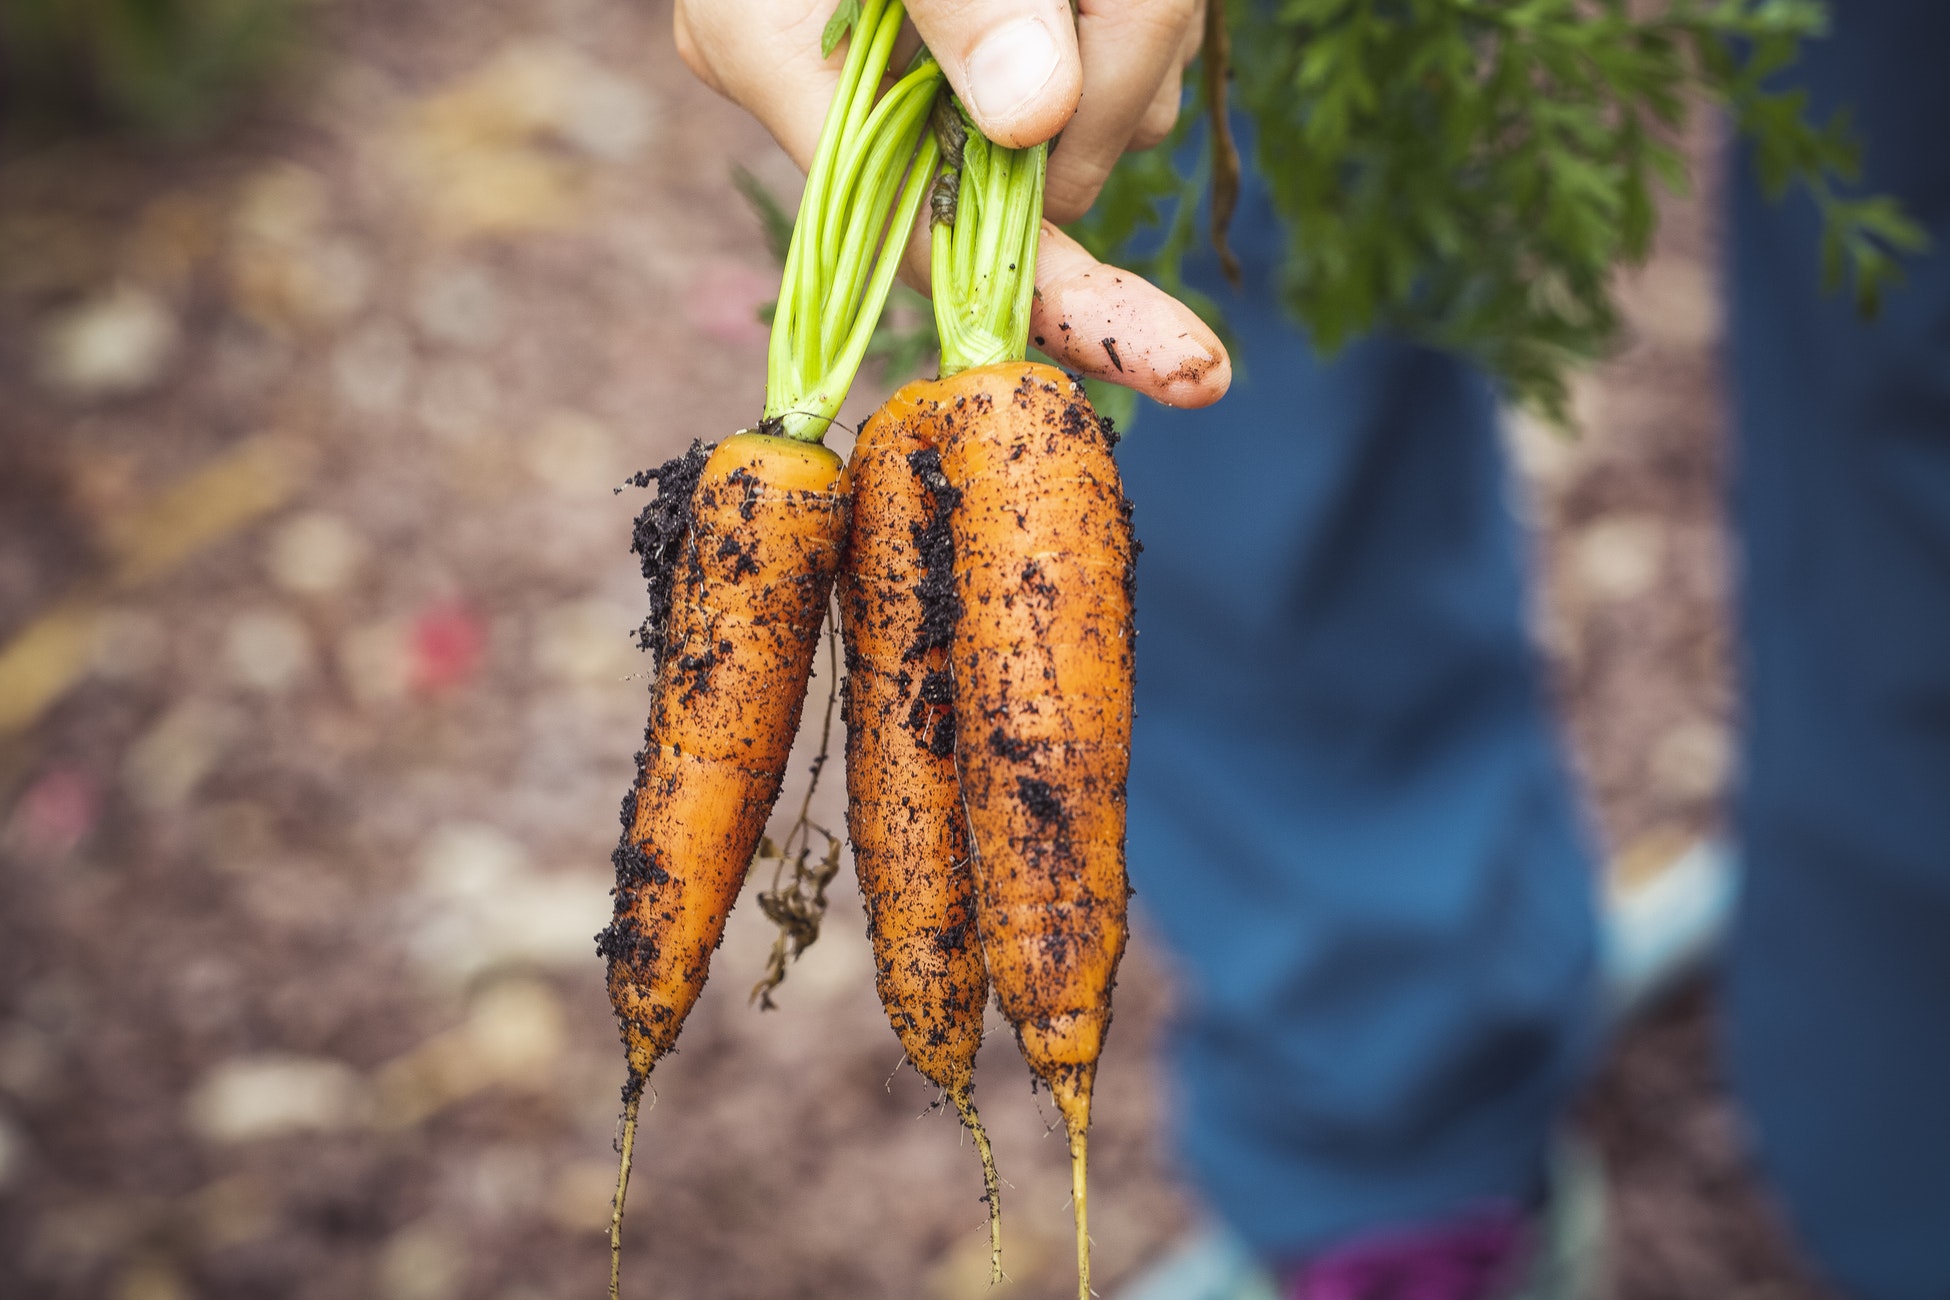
[{"x": 1109, "y": 82}]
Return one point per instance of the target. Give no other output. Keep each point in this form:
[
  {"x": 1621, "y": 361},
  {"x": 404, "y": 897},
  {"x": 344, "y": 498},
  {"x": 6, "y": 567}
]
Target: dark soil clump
[
  {"x": 940, "y": 606},
  {"x": 659, "y": 534}
]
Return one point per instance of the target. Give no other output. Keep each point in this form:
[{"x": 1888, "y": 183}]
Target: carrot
[
  {"x": 751, "y": 586},
  {"x": 1042, "y": 658},
  {"x": 741, "y": 558},
  {"x": 904, "y": 814},
  {"x": 1041, "y": 652}
]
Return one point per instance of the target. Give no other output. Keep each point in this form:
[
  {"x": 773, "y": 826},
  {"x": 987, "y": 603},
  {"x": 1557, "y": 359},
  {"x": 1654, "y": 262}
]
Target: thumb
[{"x": 1014, "y": 63}]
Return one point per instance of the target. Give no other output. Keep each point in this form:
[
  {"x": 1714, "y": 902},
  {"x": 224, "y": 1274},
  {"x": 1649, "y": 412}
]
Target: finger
[
  {"x": 1129, "y": 47},
  {"x": 772, "y": 69},
  {"x": 1014, "y": 63},
  {"x": 1162, "y": 116},
  {"x": 1113, "y": 325}
]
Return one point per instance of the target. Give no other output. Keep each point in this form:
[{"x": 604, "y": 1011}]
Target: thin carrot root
[
  {"x": 991, "y": 1181},
  {"x": 627, "y": 1149},
  {"x": 1079, "y": 1191}
]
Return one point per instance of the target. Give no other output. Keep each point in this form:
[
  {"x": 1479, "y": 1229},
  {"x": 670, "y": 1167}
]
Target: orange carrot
[
  {"x": 904, "y": 813},
  {"x": 1042, "y": 660}
]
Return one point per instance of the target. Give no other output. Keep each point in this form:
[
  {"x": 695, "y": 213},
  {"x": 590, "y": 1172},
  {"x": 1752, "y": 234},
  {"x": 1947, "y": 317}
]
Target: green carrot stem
[
  {"x": 874, "y": 155},
  {"x": 985, "y": 254}
]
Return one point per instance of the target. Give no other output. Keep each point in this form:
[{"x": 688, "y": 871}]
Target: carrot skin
[
  {"x": 904, "y": 813},
  {"x": 748, "y": 597},
  {"x": 1042, "y": 657}
]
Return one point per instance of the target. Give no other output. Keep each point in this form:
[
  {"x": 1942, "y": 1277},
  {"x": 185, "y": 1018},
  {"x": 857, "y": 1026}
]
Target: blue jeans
[{"x": 1349, "y": 817}]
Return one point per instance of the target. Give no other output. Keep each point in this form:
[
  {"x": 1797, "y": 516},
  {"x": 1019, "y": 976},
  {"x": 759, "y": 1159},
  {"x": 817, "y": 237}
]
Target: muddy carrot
[
  {"x": 741, "y": 548},
  {"x": 904, "y": 813}
]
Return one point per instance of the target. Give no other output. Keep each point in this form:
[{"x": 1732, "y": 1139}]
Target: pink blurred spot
[
  {"x": 57, "y": 812},
  {"x": 724, "y": 298},
  {"x": 446, "y": 644}
]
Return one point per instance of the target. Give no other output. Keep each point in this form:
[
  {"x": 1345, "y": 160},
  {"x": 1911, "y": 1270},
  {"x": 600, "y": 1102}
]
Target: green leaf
[
  {"x": 838, "y": 26},
  {"x": 766, "y": 207},
  {"x": 1470, "y": 172}
]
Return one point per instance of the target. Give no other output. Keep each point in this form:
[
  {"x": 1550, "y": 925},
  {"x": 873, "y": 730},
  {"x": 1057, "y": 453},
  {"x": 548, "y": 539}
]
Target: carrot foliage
[
  {"x": 1469, "y": 172},
  {"x": 866, "y": 186}
]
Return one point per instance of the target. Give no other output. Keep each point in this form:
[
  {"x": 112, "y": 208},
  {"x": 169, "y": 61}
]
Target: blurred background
[{"x": 326, "y": 331}]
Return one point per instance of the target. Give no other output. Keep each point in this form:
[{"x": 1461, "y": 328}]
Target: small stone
[
  {"x": 233, "y": 1210},
  {"x": 113, "y": 345},
  {"x": 459, "y": 401},
  {"x": 130, "y": 645},
  {"x": 164, "y": 767},
  {"x": 150, "y": 1279},
  {"x": 482, "y": 906},
  {"x": 605, "y": 115},
  {"x": 575, "y": 454},
  {"x": 1691, "y": 761},
  {"x": 587, "y": 642},
  {"x": 516, "y": 1029},
  {"x": 268, "y": 650},
  {"x": 579, "y": 1198},
  {"x": 470, "y": 859},
  {"x": 315, "y": 554},
  {"x": 27, "y": 1062},
  {"x": 424, "y": 1261},
  {"x": 285, "y": 203},
  {"x": 250, "y": 1098},
  {"x": 1619, "y": 558},
  {"x": 372, "y": 369},
  {"x": 460, "y": 306},
  {"x": 377, "y": 662}
]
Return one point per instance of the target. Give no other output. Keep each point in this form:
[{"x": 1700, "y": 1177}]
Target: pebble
[
  {"x": 579, "y": 1197},
  {"x": 112, "y": 345},
  {"x": 130, "y": 645},
  {"x": 516, "y": 1029},
  {"x": 423, "y": 1261},
  {"x": 377, "y": 662},
  {"x": 460, "y": 306},
  {"x": 268, "y": 650},
  {"x": 1619, "y": 558},
  {"x": 316, "y": 553},
  {"x": 575, "y": 454},
  {"x": 587, "y": 642},
  {"x": 250, "y": 1098},
  {"x": 163, "y": 768},
  {"x": 482, "y": 906},
  {"x": 373, "y": 369},
  {"x": 233, "y": 1210},
  {"x": 1691, "y": 760},
  {"x": 459, "y": 401},
  {"x": 27, "y": 1062},
  {"x": 150, "y": 1279}
]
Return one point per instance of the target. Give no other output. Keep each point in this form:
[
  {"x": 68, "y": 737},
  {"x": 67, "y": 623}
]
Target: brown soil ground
[{"x": 316, "y": 700}]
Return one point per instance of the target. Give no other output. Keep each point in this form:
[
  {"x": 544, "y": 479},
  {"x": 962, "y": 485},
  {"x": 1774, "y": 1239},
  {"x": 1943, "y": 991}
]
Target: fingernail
[{"x": 1008, "y": 69}]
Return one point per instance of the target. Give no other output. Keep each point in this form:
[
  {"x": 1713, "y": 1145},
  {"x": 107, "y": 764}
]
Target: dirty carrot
[
  {"x": 1041, "y": 653},
  {"x": 740, "y": 548},
  {"x": 904, "y": 813}
]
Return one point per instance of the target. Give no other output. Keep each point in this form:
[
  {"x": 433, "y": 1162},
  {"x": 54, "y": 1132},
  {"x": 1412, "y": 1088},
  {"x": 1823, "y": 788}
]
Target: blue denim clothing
[
  {"x": 1348, "y": 815},
  {"x": 1839, "y": 988}
]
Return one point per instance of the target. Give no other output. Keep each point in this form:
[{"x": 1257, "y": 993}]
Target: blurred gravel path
[{"x": 317, "y": 696}]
